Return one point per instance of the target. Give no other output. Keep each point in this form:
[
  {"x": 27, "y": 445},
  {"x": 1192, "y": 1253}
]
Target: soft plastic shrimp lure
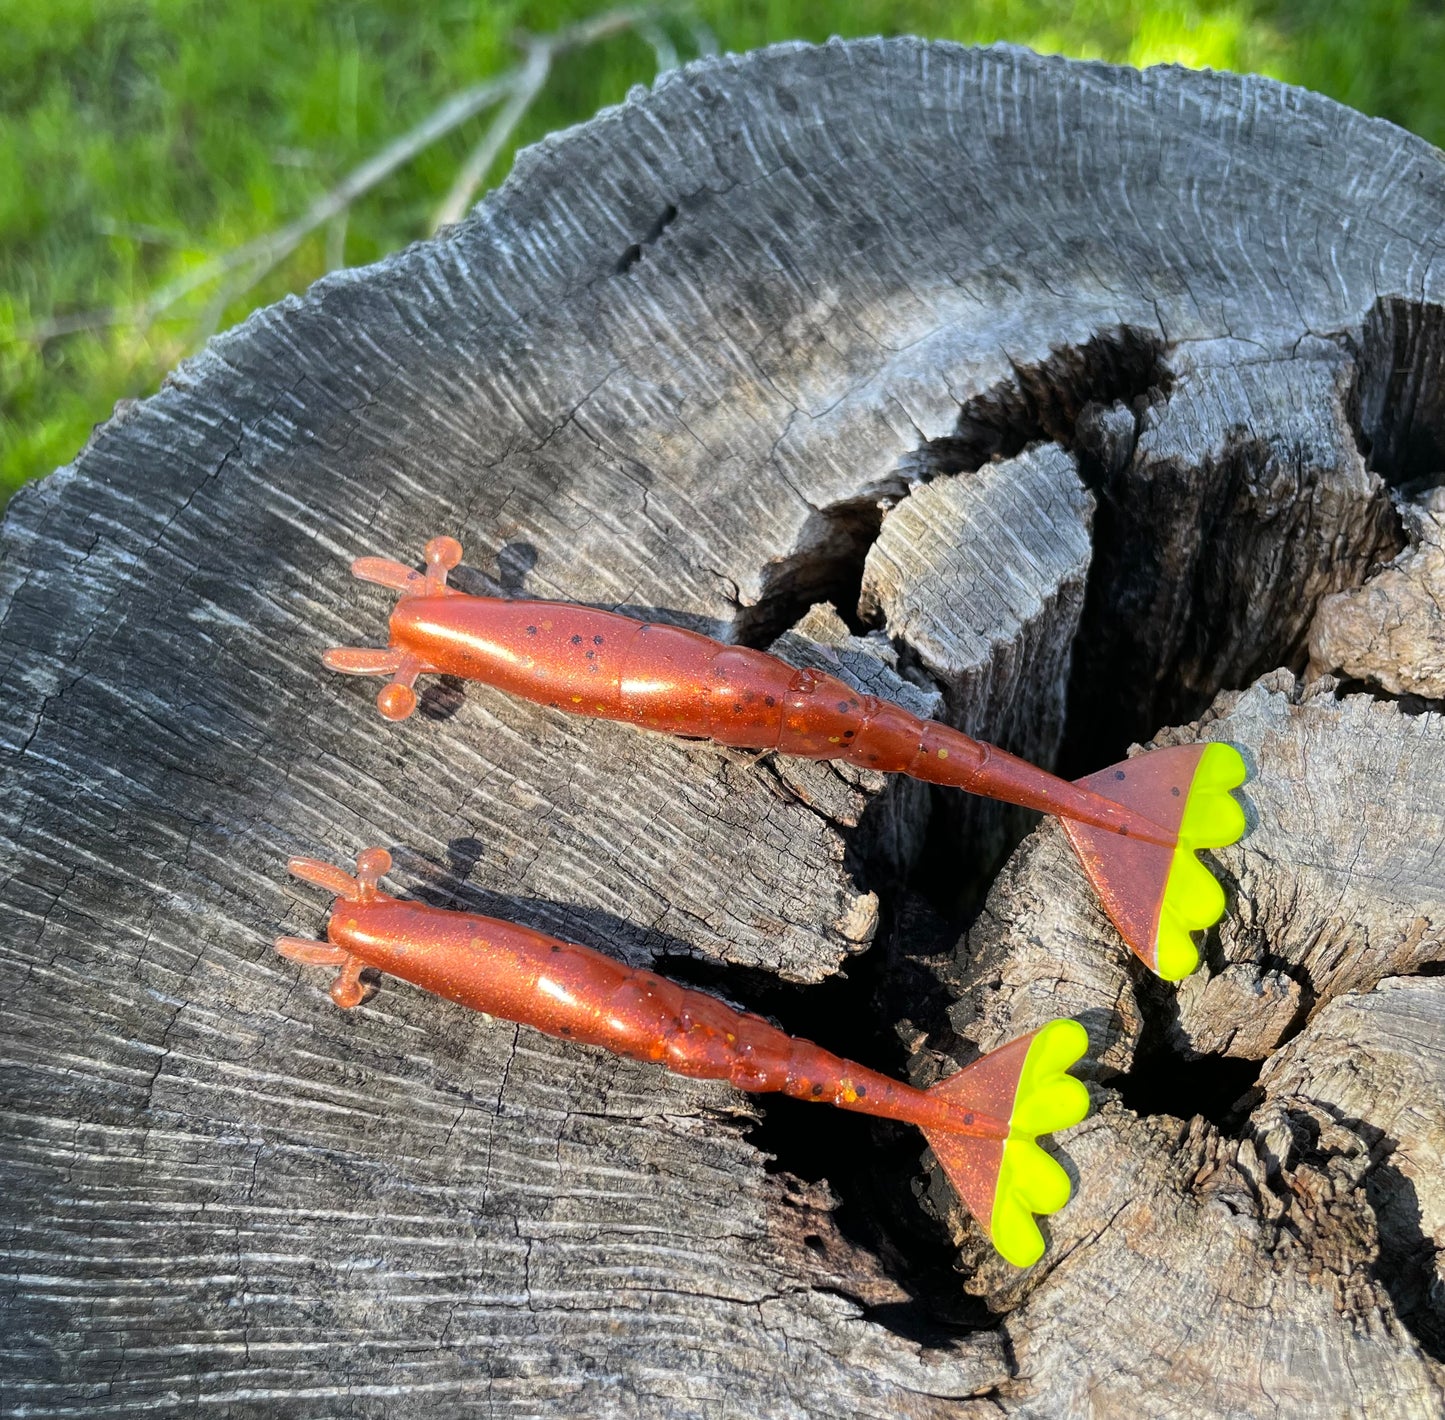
[
  {"x": 981, "y": 1122},
  {"x": 1135, "y": 826}
]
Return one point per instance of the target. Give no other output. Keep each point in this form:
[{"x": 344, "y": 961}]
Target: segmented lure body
[
  {"x": 673, "y": 681},
  {"x": 573, "y": 992},
  {"x": 976, "y": 1118},
  {"x": 666, "y": 679}
]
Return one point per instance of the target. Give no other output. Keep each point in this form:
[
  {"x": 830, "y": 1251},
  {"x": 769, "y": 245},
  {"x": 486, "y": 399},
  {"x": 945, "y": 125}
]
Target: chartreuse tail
[
  {"x": 1007, "y": 1178},
  {"x": 1158, "y": 895}
]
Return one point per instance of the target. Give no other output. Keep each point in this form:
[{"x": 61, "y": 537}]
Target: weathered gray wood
[
  {"x": 1342, "y": 880},
  {"x": 982, "y": 576},
  {"x": 1238, "y": 1273},
  {"x": 1391, "y": 631},
  {"x": 882, "y": 265},
  {"x": 1010, "y": 545},
  {"x": 1373, "y": 1063}
]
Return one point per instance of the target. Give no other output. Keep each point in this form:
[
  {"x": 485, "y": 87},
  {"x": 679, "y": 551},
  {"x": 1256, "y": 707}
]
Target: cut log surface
[{"x": 1077, "y": 392}]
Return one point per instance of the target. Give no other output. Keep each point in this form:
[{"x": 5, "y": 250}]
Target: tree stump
[{"x": 1066, "y": 402}]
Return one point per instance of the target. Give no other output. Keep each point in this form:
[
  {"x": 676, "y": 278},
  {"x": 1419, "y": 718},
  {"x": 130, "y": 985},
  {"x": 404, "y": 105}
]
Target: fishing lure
[
  {"x": 981, "y": 1123},
  {"x": 1135, "y": 826}
]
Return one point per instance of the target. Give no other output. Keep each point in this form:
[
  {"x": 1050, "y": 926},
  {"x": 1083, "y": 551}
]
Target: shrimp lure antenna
[
  {"x": 348, "y": 989},
  {"x": 397, "y": 699}
]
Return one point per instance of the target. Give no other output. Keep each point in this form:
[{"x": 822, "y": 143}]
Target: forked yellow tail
[
  {"x": 1158, "y": 896},
  {"x": 1004, "y": 1182}
]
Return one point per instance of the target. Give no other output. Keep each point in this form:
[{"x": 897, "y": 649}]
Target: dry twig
[
  {"x": 527, "y": 85},
  {"x": 253, "y": 260}
]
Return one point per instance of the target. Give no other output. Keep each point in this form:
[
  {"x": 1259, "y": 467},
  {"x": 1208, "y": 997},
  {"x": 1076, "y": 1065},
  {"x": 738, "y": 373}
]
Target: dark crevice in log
[
  {"x": 1166, "y": 1078},
  {"x": 633, "y": 254},
  {"x": 1117, "y": 699},
  {"x": 1194, "y": 551},
  {"x": 1047, "y": 401},
  {"x": 1120, "y": 690},
  {"x": 827, "y": 567},
  {"x": 1215, "y": 1087},
  {"x": 1066, "y": 399},
  {"x": 1408, "y": 704},
  {"x": 955, "y": 875},
  {"x": 906, "y": 1319},
  {"x": 1399, "y": 397}
]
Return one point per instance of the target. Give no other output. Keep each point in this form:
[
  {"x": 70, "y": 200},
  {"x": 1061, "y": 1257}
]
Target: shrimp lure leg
[{"x": 398, "y": 698}]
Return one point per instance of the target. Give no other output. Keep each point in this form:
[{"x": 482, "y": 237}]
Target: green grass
[{"x": 141, "y": 138}]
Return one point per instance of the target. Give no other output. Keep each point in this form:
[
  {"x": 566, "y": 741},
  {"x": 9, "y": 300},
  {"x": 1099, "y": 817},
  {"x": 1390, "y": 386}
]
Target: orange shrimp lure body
[
  {"x": 1134, "y": 826},
  {"x": 981, "y": 1122}
]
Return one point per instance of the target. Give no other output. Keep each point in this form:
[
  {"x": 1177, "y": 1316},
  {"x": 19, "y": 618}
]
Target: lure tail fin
[
  {"x": 1157, "y": 895},
  {"x": 1005, "y": 1180}
]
